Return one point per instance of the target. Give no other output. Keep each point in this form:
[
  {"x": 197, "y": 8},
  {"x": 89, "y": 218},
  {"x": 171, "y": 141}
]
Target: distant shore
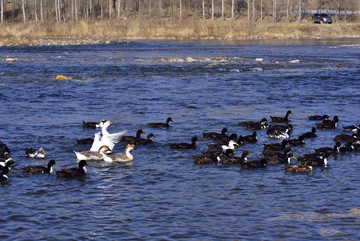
[{"x": 36, "y": 34}]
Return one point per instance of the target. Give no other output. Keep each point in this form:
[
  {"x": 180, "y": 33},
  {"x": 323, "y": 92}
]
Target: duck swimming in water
[
  {"x": 3, "y": 174},
  {"x": 319, "y": 117},
  {"x": 183, "y": 145},
  {"x": 73, "y": 172},
  {"x": 93, "y": 125},
  {"x": 310, "y": 134},
  {"x": 302, "y": 168},
  {"x": 328, "y": 124},
  {"x": 278, "y": 119},
  {"x": 214, "y": 135},
  {"x": 160, "y": 124},
  {"x": 37, "y": 154},
  {"x": 132, "y": 139},
  {"x": 255, "y": 125},
  {"x": 40, "y": 169},
  {"x": 146, "y": 141},
  {"x": 273, "y": 133}
]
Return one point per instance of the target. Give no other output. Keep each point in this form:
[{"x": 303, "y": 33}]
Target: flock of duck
[{"x": 220, "y": 152}]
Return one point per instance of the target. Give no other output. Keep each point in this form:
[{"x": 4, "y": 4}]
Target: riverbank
[{"x": 69, "y": 33}]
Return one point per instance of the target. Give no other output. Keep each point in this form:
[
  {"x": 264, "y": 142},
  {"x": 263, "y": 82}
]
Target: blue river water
[{"x": 204, "y": 86}]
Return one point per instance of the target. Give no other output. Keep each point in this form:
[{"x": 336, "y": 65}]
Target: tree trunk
[
  {"x": 287, "y": 10},
  {"x": 300, "y": 10},
  {"x": 23, "y": 10},
  {"x": 41, "y": 11},
  {"x": 180, "y": 9},
  {"x": 253, "y": 10},
  {"x": 232, "y": 8},
  {"x": 110, "y": 8},
  {"x": 203, "y": 9},
  {"x": 75, "y": 11},
  {"x": 212, "y": 9},
  {"x": 274, "y": 11},
  {"x": 222, "y": 8},
  {"x": 2, "y": 11},
  {"x": 248, "y": 5},
  {"x": 261, "y": 10},
  {"x": 119, "y": 8}
]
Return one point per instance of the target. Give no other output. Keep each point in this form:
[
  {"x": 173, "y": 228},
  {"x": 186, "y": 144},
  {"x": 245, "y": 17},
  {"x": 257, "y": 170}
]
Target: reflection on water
[{"x": 203, "y": 86}]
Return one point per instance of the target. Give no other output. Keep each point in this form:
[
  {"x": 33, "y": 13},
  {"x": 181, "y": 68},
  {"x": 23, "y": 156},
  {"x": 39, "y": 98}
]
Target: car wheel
[{"x": 322, "y": 21}]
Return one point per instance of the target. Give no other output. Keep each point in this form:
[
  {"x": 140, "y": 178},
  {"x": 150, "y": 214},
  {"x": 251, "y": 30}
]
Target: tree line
[{"x": 47, "y": 11}]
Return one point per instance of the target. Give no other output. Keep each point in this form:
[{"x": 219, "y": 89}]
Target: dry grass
[{"x": 13, "y": 34}]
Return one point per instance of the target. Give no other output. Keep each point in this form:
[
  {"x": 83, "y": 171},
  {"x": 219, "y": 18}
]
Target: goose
[
  {"x": 125, "y": 157},
  {"x": 160, "y": 124},
  {"x": 40, "y": 169},
  {"x": 93, "y": 125},
  {"x": 278, "y": 119},
  {"x": 191, "y": 145},
  {"x": 37, "y": 154},
  {"x": 91, "y": 155},
  {"x": 107, "y": 139},
  {"x": 73, "y": 172}
]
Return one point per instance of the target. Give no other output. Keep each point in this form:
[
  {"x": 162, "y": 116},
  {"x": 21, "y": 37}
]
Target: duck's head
[
  {"x": 52, "y": 163},
  {"x": 101, "y": 123},
  {"x": 82, "y": 164},
  {"x": 168, "y": 120}
]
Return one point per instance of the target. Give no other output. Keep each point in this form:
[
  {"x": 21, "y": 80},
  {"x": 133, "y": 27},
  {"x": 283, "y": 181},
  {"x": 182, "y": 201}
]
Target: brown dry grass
[{"x": 26, "y": 34}]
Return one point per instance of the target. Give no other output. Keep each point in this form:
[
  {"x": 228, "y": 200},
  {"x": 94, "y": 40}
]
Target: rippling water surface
[{"x": 163, "y": 195}]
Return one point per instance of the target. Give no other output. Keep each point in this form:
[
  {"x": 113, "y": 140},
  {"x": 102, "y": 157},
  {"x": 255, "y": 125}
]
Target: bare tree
[
  {"x": 23, "y": 10},
  {"x": 232, "y": 8},
  {"x": 203, "y": 9},
  {"x": 2, "y": 10},
  {"x": 212, "y": 9},
  {"x": 119, "y": 9},
  {"x": 300, "y": 11},
  {"x": 222, "y": 8},
  {"x": 180, "y": 6},
  {"x": 274, "y": 10}
]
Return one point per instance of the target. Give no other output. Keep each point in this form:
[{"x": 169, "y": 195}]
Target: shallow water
[{"x": 163, "y": 195}]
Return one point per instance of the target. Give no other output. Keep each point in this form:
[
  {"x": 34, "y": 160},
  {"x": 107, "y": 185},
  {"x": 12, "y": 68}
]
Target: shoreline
[{"x": 85, "y": 33}]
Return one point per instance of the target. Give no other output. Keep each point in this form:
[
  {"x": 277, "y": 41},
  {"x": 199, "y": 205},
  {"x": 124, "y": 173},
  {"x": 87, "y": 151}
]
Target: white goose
[
  {"x": 107, "y": 139},
  {"x": 125, "y": 157}
]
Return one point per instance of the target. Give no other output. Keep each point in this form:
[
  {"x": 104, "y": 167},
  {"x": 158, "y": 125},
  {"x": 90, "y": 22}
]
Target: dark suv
[{"x": 321, "y": 18}]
